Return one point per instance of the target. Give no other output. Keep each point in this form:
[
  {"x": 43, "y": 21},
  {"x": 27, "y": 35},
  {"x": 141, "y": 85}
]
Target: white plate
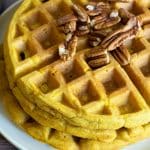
[{"x": 15, "y": 135}]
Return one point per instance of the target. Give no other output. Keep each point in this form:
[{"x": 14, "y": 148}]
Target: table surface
[{"x": 5, "y": 145}]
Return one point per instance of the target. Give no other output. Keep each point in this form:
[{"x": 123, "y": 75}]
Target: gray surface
[{"x": 5, "y": 145}]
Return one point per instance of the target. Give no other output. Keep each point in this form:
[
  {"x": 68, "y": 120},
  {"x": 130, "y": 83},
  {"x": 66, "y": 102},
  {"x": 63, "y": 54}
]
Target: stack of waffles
[{"x": 77, "y": 103}]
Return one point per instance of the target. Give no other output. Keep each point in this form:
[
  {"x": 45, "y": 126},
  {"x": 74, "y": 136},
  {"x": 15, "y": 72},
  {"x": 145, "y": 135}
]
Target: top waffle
[{"x": 102, "y": 98}]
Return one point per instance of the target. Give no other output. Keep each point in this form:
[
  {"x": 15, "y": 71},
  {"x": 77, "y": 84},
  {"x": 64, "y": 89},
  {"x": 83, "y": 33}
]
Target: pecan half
[
  {"x": 97, "y": 19},
  {"x": 66, "y": 19},
  {"x": 68, "y": 49},
  {"x": 63, "y": 52},
  {"x": 97, "y": 58},
  {"x": 122, "y": 55},
  {"x": 69, "y": 27},
  {"x": 105, "y": 20},
  {"x": 109, "y": 22},
  {"x": 117, "y": 38},
  {"x": 94, "y": 9},
  {"x": 72, "y": 45},
  {"x": 81, "y": 13},
  {"x": 101, "y": 33}
]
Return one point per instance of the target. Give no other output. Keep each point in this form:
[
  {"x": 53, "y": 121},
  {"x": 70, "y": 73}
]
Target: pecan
[
  {"x": 122, "y": 55},
  {"x": 83, "y": 29},
  {"x": 98, "y": 19},
  {"x": 97, "y": 58},
  {"x": 95, "y": 9},
  {"x": 68, "y": 49},
  {"x": 109, "y": 22},
  {"x": 101, "y": 33},
  {"x": 63, "y": 52},
  {"x": 72, "y": 46},
  {"x": 125, "y": 15},
  {"x": 116, "y": 38},
  {"x": 69, "y": 27},
  {"x": 81, "y": 13},
  {"x": 66, "y": 19},
  {"x": 94, "y": 40}
]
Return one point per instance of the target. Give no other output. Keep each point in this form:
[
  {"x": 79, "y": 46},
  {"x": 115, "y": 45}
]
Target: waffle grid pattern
[
  {"x": 96, "y": 96},
  {"x": 66, "y": 76}
]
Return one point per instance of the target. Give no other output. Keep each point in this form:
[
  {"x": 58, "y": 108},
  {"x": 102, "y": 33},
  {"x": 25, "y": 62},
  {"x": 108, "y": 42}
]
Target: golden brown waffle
[
  {"x": 96, "y": 99},
  {"x": 59, "y": 139}
]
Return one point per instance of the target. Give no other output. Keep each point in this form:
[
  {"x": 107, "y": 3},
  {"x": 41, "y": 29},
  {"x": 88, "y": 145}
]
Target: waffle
[
  {"x": 83, "y": 97},
  {"x": 58, "y": 139}
]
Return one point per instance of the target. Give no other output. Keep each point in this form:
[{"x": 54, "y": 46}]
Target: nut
[
  {"x": 66, "y": 19},
  {"x": 81, "y": 13},
  {"x": 68, "y": 49},
  {"x": 109, "y": 22},
  {"x": 116, "y": 38},
  {"x": 97, "y": 58},
  {"x": 70, "y": 27},
  {"x": 95, "y": 9},
  {"x": 101, "y": 33},
  {"x": 122, "y": 55},
  {"x": 98, "y": 19},
  {"x": 63, "y": 52},
  {"x": 72, "y": 46}
]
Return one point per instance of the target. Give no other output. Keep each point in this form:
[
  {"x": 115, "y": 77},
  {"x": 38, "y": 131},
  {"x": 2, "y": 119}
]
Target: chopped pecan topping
[
  {"x": 66, "y": 19},
  {"x": 68, "y": 49},
  {"x": 97, "y": 58},
  {"x": 99, "y": 20},
  {"x": 117, "y": 38},
  {"x": 122, "y": 55},
  {"x": 81, "y": 13}
]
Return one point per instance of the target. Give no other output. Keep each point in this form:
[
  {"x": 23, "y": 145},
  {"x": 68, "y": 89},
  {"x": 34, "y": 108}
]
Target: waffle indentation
[
  {"x": 86, "y": 92},
  {"x": 58, "y": 8},
  {"x": 126, "y": 102},
  {"x": 48, "y": 84},
  {"x": 112, "y": 81},
  {"x": 35, "y": 19},
  {"x": 135, "y": 45},
  {"x": 23, "y": 50},
  {"x": 145, "y": 68},
  {"x": 70, "y": 70},
  {"x": 48, "y": 36},
  {"x": 18, "y": 32}
]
